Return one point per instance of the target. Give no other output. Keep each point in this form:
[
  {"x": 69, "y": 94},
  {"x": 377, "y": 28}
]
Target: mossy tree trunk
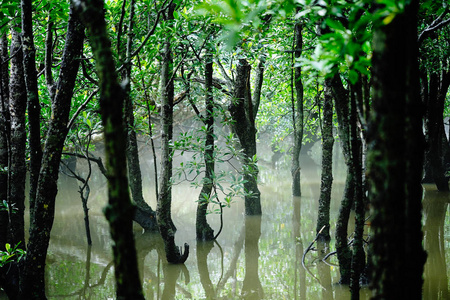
[
  {"x": 297, "y": 111},
  {"x": 342, "y": 104},
  {"x": 33, "y": 280},
  {"x": 203, "y": 230},
  {"x": 326, "y": 180},
  {"x": 144, "y": 214},
  {"x": 395, "y": 160},
  {"x": 17, "y": 169},
  {"x": 33, "y": 106},
  {"x": 241, "y": 110},
  {"x": 163, "y": 212},
  {"x": 119, "y": 210},
  {"x": 4, "y": 135}
]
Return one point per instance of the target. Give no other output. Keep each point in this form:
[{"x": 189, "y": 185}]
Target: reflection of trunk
[
  {"x": 436, "y": 280},
  {"x": 326, "y": 180},
  {"x": 297, "y": 221},
  {"x": 17, "y": 168},
  {"x": 119, "y": 210},
  {"x": 297, "y": 112},
  {"x": 434, "y": 94},
  {"x": 324, "y": 272},
  {"x": 164, "y": 219},
  {"x": 144, "y": 214},
  {"x": 204, "y": 231},
  {"x": 241, "y": 110},
  {"x": 252, "y": 288},
  {"x": 341, "y": 99},
  {"x": 203, "y": 249},
  {"x": 395, "y": 159},
  {"x": 33, "y": 280}
]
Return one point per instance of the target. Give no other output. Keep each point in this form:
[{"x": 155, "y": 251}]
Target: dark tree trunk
[
  {"x": 204, "y": 231},
  {"x": 436, "y": 91},
  {"x": 241, "y": 110},
  {"x": 144, "y": 214},
  {"x": 33, "y": 281},
  {"x": 34, "y": 108},
  {"x": 4, "y": 136},
  {"x": 297, "y": 112},
  {"x": 17, "y": 169},
  {"x": 395, "y": 160},
  {"x": 163, "y": 212},
  {"x": 358, "y": 257},
  {"x": 119, "y": 210},
  {"x": 326, "y": 180},
  {"x": 341, "y": 98}
]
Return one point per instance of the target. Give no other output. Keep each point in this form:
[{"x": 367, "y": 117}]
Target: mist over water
[{"x": 253, "y": 258}]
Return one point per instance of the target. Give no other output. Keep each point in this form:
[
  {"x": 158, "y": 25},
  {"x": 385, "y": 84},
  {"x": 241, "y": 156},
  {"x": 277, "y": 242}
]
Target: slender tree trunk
[
  {"x": 395, "y": 160},
  {"x": 33, "y": 280},
  {"x": 163, "y": 212},
  {"x": 17, "y": 169},
  {"x": 241, "y": 110},
  {"x": 297, "y": 111},
  {"x": 204, "y": 231},
  {"x": 34, "y": 108},
  {"x": 4, "y": 135},
  {"x": 326, "y": 180},
  {"x": 340, "y": 95},
  {"x": 119, "y": 210},
  {"x": 358, "y": 257},
  {"x": 144, "y": 214}
]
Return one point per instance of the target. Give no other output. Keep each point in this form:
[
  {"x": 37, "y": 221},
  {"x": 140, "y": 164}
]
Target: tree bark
[
  {"x": 241, "y": 110},
  {"x": 203, "y": 230},
  {"x": 436, "y": 91},
  {"x": 4, "y": 135},
  {"x": 34, "y": 108},
  {"x": 395, "y": 160},
  {"x": 326, "y": 180},
  {"x": 144, "y": 214},
  {"x": 17, "y": 169},
  {"x": 163, "y": 212},
  {"x": 297, "y": 111},
  {"x": 33, "y": 280},
  {"x": 341, "y": 98},
  {"x": 119, "y": 210}
]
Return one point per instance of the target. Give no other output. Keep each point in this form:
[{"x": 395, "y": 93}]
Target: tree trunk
[
  {"x": 326, "y": 180},
  {"x": 17, "y": 169},
  {"x": 241, "y": 110},
  {"x": 395, "y": 160},
  {"x": 119, "y": 210},
  {"x": 204, "y": 231},
  {"x": 434, "y": 125},
  {"x": 341, "y": 98},
  {"x": 34, "y": 108},
  {"x": 144, "y": 214},
  {"x": 297, "y": 111},
  {"x": 33, "y": 281},
  {"x": 163, "y": 212},
  {"x": 358, "y": 257},
  {"x": 4, "y": 136}
]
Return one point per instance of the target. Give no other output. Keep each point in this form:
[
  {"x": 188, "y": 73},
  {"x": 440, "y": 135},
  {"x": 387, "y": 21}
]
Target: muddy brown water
[{"x": 253, "y": 258}]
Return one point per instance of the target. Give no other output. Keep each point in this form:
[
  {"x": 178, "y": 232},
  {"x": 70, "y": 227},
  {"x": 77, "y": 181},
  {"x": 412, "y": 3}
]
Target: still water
[{"x": 253, "y": 258}]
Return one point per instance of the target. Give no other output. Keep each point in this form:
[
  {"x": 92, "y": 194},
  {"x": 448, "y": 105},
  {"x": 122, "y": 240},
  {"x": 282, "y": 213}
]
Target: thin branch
[
  {"x": 82, "y": 106},
  {"x": 435, "y": 25}
]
